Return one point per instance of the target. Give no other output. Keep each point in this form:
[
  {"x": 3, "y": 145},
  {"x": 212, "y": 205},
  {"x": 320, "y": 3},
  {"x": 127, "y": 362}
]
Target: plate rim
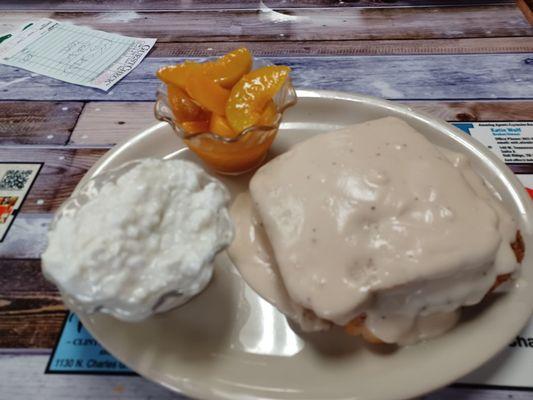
[{"x": 520, "y": 198}]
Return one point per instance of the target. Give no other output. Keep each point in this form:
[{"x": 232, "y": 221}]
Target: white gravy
[{"x": 372, "y": 219}]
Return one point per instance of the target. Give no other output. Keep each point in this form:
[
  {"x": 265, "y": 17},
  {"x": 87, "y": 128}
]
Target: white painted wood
[
  {"x": 10, "y": 22},
  {"x": 405, "y": 77},
  {"x": 26, "y": 237},
  {"x": 105, "y": 123}
]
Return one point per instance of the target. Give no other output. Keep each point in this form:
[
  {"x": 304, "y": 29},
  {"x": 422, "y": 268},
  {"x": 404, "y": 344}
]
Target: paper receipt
[{"x": 74, "y": 54}]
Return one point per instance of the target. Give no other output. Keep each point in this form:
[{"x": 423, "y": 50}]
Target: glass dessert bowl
[{"x": 233, "y": 154}]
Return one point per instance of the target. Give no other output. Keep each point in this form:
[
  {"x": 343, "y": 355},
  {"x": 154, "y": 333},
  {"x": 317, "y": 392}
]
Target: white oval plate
[{"x": 228, "y": 343}]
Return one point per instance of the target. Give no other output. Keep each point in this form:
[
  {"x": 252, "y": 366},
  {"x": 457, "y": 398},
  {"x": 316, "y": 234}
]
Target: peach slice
[
  {"x": 225, "y": 71},
  {"x": 221, "y": 127},
  {"x": 176, "y": 74},
  {"x": 206, "y": 92},
  {"x": 192, "y": 127},
  {"x": 228, "y": 69},
  {"x": 269, "y": 114},
  {"x": 251, "y": 94},
  {"x": 183, "y": 108}
]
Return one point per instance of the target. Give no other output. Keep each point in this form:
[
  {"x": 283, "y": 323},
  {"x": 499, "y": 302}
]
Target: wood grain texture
[
  {"x": 349, "y": 47},
  {"x": 26, "y": 237},
  {"x": 36, "y": 122},
  {"x": 105, "y": 123},
  {"x": 62, "y": 170},
  {"x": 299, "y": 24},
  {"x": 22, "y": 276},
  {"x": 467, "y": 76},
  {"x": 31, "y": 310},
  {"x": 99, "y": 123},
  {"x": 177, "y": 5}
]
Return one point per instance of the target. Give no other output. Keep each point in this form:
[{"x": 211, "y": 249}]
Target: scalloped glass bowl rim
[{"x": 163, "y": 112}]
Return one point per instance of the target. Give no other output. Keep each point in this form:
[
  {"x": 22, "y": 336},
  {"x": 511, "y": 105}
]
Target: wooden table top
[{"x": 461, "y": 62}]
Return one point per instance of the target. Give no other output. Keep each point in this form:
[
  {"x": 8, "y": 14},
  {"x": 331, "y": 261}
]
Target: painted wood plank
[
  {"x": 37, "y": 122},
  {"x": 176, "y": 5},
  {"x": 31, "y": 310},
  {"x": 350, "y": 47},
  {"x": 100, "y": 122},
  {"x": 26, "y": 238},
  {"x": 106, "y": 123},
  {"x": 526, "y": 6},
  {"x": 467, "y": 76},
  {"x": 299, "y": 24},
  {"x": 21, "y": 277},
  {"x": 62, "y": 170}
]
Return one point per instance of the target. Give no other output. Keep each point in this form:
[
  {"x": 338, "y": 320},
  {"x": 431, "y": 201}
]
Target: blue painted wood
[
  {"x": 157, "y": 5},
  {"x": 298, "y": 24},
  {"x": 468, "y": 76}
]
